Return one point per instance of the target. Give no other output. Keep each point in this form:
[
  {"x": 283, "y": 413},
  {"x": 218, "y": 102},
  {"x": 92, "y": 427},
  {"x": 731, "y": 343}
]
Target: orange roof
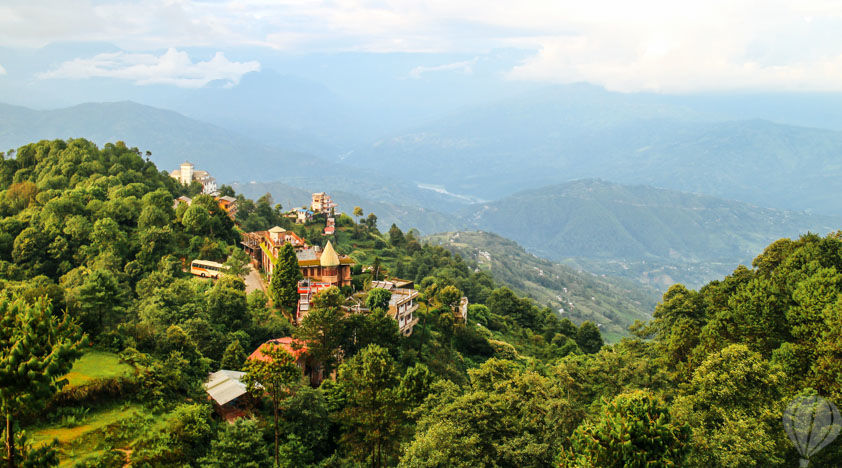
[
  {"x": 286, "y": 342},
  {"x": 295, "y": 236}
]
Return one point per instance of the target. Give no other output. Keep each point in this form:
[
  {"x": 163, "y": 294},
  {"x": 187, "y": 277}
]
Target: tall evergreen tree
[
  {"x": 285, "y": 278},
  {"x": 323, "y": 328},
  {"x": 396, "y": 237},
  {"x": 234, "y": 356},
  {"x": 239, "y": 444},
  {"x": 36, "y": 349}
]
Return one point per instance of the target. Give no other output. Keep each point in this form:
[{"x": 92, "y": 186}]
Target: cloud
[
  {"x": 465, "y": 67},
  {"x": 172, "y": 68},
  {"x": 740, "y": 46},
  {"x": 2, "y": 70},
  {"x": 659, "y": 45}
]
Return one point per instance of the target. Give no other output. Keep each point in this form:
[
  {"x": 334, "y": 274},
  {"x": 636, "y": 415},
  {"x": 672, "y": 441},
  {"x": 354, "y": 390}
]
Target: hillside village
[
  {"x": 146, "y": 323},
  {"x": 320, "y": 267},
  {"x": 371, "y": 234}
]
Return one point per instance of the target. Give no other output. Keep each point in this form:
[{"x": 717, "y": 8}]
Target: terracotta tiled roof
[{"x": 286, "y": 342}]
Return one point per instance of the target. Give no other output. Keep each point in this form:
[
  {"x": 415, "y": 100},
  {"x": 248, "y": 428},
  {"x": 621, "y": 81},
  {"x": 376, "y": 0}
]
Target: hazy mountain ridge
[
  {"x": 546, "y": 138},
  {"x": 639, "y": 233},
  {"x": 612, "y": 303},
  {"x": 171, "y": 137},
  {"x": 639, "y": 229}
]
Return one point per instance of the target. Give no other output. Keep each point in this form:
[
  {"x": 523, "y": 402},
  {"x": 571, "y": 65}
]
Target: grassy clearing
[
  {"x": 84, "y": 440},
  {"x": 94, "y": 365}
]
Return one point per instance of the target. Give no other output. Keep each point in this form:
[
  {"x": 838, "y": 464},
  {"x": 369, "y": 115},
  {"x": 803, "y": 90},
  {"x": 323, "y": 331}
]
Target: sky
[{"x": 668, "y": 46}]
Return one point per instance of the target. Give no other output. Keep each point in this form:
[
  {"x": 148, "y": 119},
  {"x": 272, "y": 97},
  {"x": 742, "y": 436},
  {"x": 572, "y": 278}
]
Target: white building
[{"x": 186, "y": 174}]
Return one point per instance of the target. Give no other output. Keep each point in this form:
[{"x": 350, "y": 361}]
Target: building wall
[{"x": 339, "y": 276}]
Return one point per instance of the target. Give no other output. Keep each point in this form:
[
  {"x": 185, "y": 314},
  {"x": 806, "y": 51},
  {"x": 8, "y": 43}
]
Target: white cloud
[
  {"x": 734, "y": 45},
  {"x": 172, "y": 67},
  {"x": 663, "y": 45},
  {"x": 2, "y": 70},
  {"x": 465, "y": 67}
]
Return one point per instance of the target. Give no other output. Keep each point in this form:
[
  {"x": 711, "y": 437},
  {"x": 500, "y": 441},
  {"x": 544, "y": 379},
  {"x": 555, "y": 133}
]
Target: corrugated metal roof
[
  {"x": 225, "y": 385},
  {"x": 306, "y": 254}
]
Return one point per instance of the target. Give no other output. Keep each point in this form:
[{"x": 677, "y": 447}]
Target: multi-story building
[
  {"x": 330, "y": 227},
  {"x": 228, "y": 205},
  {"x": 303, "y": 216},
  {"x": 402, "y": 304},
  {"x": 322, "y": 203},
  {"x": 186, "y": 174},
  {"x": 265, "y": 246}
]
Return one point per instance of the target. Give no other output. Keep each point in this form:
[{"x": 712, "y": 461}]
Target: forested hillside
[
  {"x": 108, "y": 340},
  {"x": 654, "y": 236},
  {"x": 611, "y": 303}
]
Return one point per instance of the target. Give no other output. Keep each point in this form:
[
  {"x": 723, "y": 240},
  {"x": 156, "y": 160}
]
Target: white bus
[{"x": 207, "y": 269}]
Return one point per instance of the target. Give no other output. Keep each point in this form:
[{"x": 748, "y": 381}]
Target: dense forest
[{"x": 106, "y": 341}]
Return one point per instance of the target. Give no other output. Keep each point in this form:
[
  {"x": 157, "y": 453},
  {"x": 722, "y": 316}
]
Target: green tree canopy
[
  {"x": 36, "y": 350},
  {"x": 276, "y": 377},
  {"x": 634, "y": 430},
  {"x": 374, "y": 408},
  {"x": 588, "y": 337},
  {"x": 378, "y": 299},
  {"x": 285, "y": 278}
]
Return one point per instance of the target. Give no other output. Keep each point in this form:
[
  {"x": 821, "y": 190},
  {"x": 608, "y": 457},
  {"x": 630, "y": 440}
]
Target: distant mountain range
[
  {"x": 575, "y": 132},
  {"x": 611, "y": 303},
  {"x": 171, "y": 137},
  {"x": 652, "y": 235},
  {"x": 227, "y": 155},
  {"x": 427, "y": 180}
]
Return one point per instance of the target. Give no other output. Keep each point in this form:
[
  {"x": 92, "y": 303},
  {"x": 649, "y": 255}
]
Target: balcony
[{"x": 334, "y": 279}]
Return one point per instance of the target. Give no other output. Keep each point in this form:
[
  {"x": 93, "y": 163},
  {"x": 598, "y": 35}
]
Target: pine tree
[
  {"x": 36, "y": 349},
  {"x": 634, "y": 430},
  {"x": 375, "y": 406},
  {"x": 239, "y": 444},
  {"x": 396, "y": 237},
  {"x": 285, "y": 278}
]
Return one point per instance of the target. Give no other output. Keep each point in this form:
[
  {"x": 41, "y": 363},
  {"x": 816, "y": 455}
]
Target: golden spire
[{"x": 329, "y": 257}]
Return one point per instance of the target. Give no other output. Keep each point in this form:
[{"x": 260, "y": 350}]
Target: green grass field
[
  {"x": 95, "y": 365},
  {"x": 85, "y": 440}
]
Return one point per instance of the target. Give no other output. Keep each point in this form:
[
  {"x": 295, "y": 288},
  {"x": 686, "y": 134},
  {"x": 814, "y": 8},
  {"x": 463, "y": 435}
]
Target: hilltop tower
[{"x": 186, "y": 176}]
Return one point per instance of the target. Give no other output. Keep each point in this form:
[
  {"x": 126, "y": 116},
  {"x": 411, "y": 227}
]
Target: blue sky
[{"x": 661, "y": 46}]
